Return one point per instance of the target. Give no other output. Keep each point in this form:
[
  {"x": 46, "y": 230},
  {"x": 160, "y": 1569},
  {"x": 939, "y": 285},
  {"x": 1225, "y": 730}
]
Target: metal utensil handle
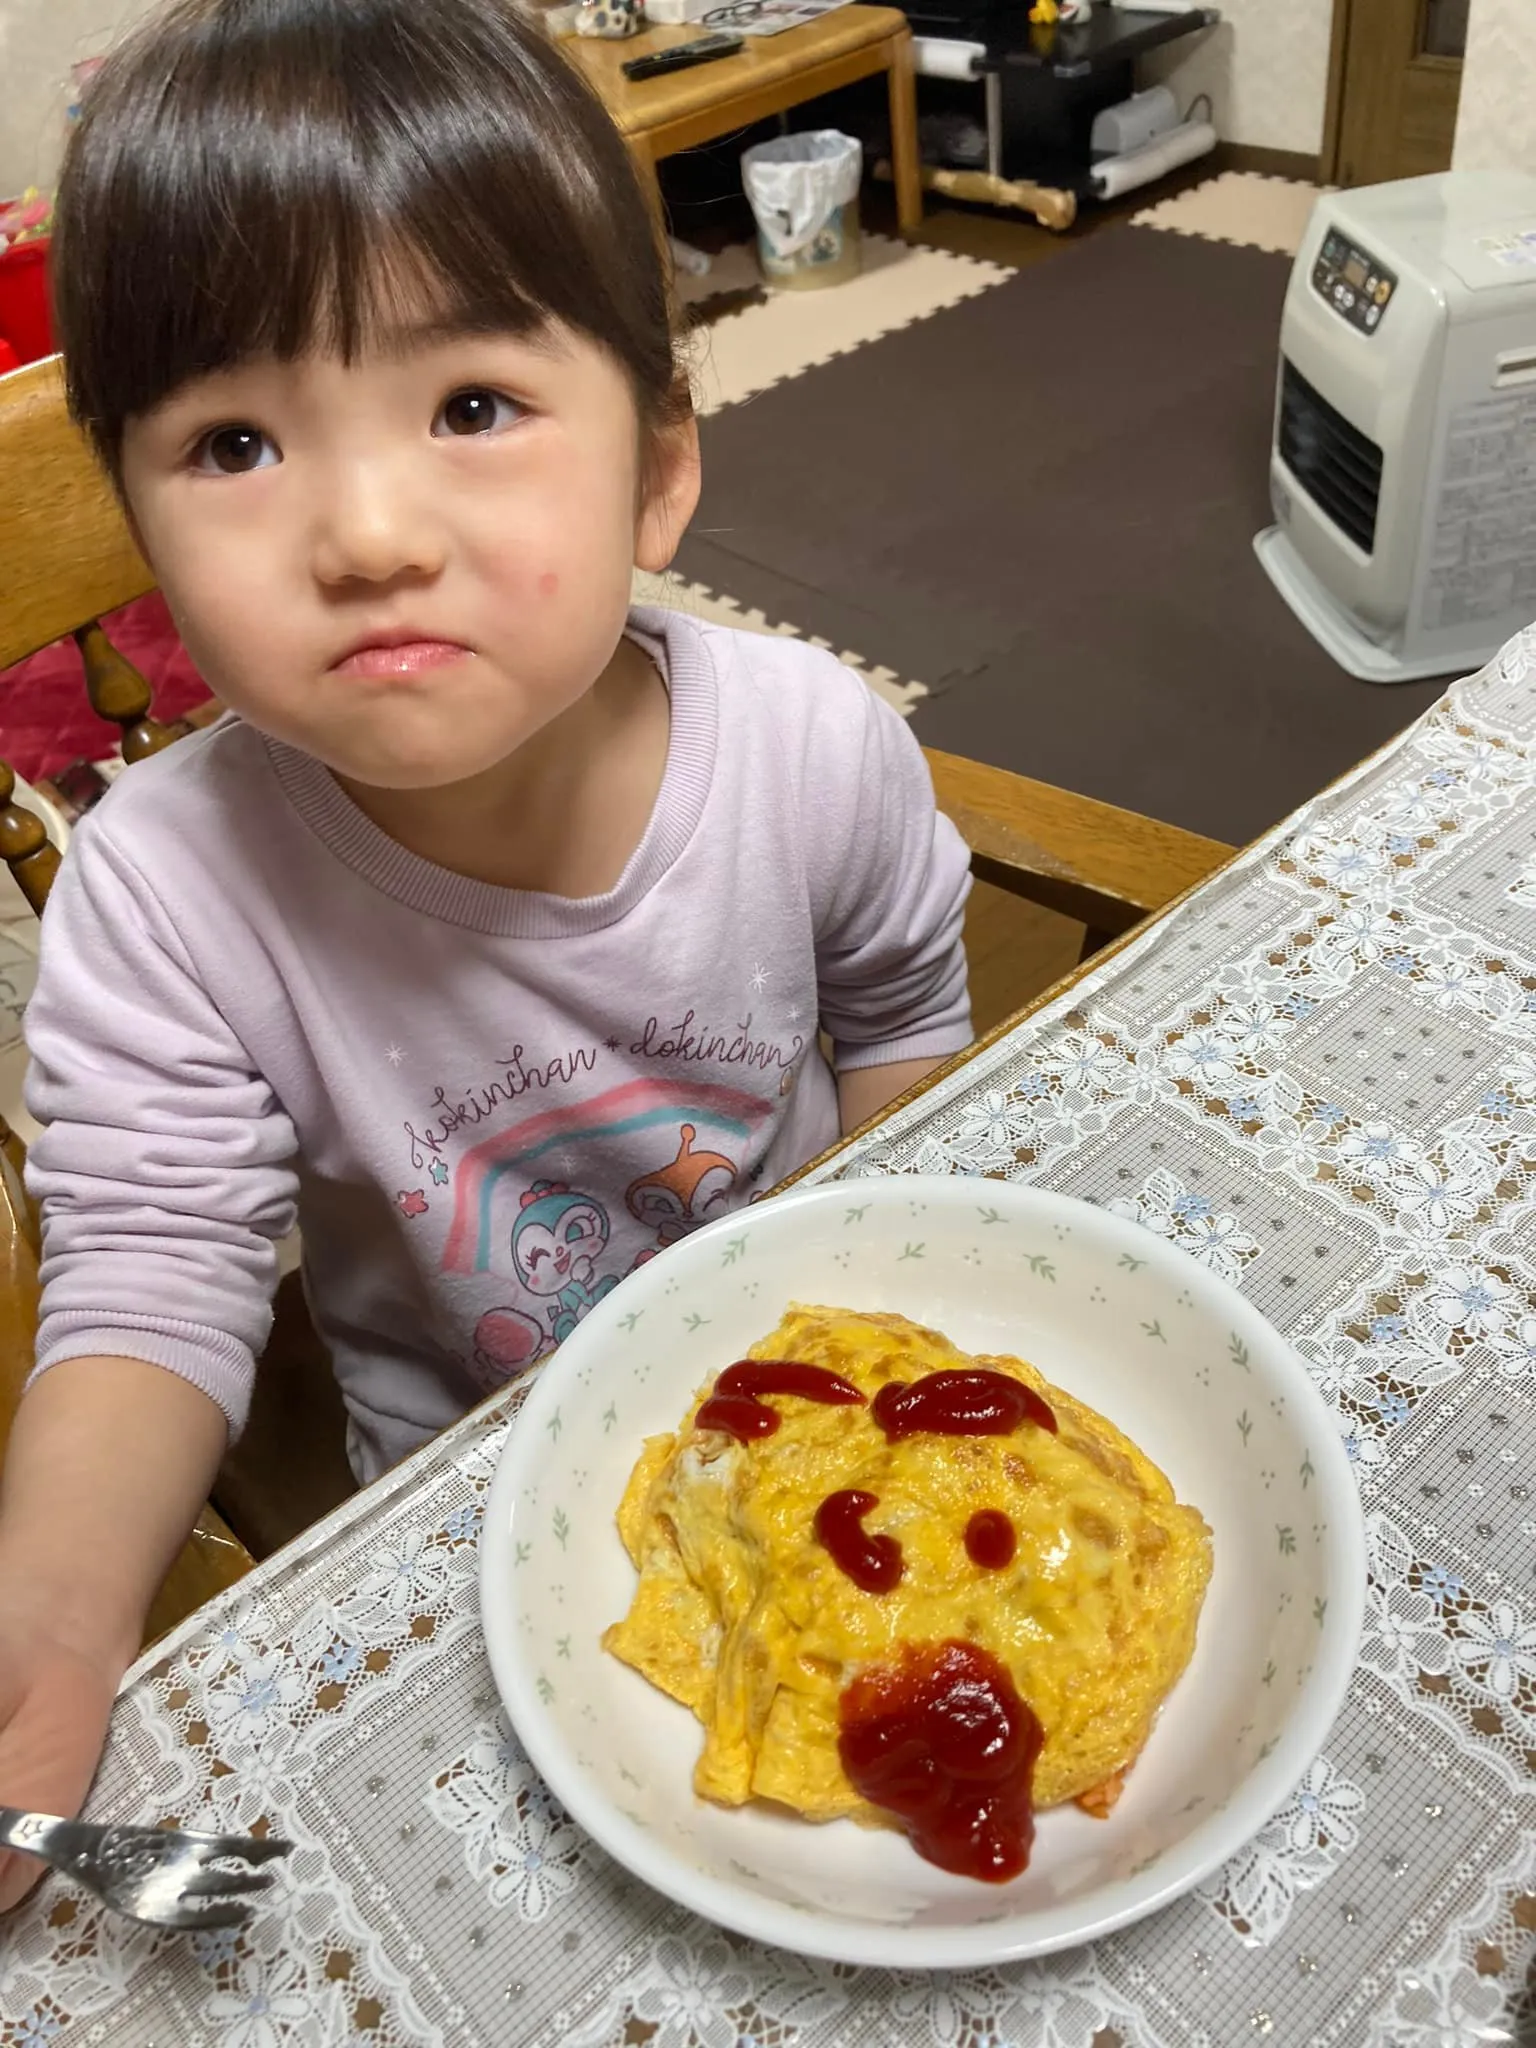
[{"x": 30, "y": 1831}]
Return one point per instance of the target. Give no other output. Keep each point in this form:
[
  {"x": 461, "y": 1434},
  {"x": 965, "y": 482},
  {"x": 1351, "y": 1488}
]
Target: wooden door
[{"x": 1395, "y": 84}]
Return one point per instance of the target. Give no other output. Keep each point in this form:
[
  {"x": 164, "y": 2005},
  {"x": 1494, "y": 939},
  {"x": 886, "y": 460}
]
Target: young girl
[{"x": 490, "y": 935}]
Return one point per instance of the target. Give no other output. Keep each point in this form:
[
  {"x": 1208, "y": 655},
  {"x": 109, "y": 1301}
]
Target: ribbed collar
[{"x": 687, "y": 671}]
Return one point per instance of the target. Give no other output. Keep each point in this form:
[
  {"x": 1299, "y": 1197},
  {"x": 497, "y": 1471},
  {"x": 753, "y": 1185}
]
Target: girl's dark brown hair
[{"x": 259, "y": 177}]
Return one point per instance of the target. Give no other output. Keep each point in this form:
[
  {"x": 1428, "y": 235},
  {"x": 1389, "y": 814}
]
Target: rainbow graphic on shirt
[{"x": 574, "y": 1152}]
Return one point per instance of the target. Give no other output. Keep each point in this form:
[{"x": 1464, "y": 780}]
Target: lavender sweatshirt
[{"x": 484, "y": 1106}]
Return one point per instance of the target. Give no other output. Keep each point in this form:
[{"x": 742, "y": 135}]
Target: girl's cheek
[{"x": 549, "y": 583}]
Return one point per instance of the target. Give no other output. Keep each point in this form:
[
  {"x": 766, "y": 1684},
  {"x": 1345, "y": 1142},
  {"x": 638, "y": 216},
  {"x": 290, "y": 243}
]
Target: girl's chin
[{"x": 411, "y": 775}]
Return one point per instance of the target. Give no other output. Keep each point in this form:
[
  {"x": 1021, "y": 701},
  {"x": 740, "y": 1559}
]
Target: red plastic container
[{"x": 24, "y": 320}]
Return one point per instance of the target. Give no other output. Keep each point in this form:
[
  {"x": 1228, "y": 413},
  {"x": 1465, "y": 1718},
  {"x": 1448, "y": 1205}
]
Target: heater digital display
[{"x": 1355, "y": 285}]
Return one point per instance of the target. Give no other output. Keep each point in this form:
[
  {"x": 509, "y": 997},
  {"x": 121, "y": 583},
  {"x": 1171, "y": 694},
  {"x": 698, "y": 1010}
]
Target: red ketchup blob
[
  {"x": 872, "y": 1562},
  {"x": 974, "y": 1403},
  {"x": 990, "y": 1540},
  {"x": 735, "y": 1406},
  {"x": 943, "y": 1741}
]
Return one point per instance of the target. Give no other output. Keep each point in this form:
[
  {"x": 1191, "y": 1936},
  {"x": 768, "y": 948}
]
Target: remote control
[{"x": 702, "y": 50}]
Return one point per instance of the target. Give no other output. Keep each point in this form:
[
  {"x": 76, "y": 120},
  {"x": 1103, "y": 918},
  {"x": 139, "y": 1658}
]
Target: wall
[
  {"x": 39, "y": 40},
  {"x": 1266, "y": 70},
  {"x": 1496, "y": 121}
]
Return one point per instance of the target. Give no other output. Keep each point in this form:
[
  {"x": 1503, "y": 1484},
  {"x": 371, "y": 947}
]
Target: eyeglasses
[{"x": 734, "y": 16}]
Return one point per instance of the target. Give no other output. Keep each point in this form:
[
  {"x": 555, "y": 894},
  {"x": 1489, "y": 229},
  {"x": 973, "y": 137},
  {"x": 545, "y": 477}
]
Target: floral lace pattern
[
  {"x": 518, "y": 1843},
  {"x": 1319, "y": 1077}
]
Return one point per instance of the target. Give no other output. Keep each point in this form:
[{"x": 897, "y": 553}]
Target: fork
[{"x": 157, "y": 1875}]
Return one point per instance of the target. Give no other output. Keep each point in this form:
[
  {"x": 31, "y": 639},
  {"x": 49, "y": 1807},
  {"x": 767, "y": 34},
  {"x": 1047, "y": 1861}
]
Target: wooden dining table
[
  {"x": 1317, "y": 1074},
  {"x": 678, "y": 110}
]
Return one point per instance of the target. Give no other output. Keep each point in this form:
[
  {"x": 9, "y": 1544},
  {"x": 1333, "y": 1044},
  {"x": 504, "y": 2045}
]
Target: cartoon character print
[
  {"x": 558, "y": 1237},
  {"x": 690, "y": 1190},
  {"x": 553, "y": 1233},
  {"x": 507, "y": 1342},
  {"x": 557, "y": 1240}
]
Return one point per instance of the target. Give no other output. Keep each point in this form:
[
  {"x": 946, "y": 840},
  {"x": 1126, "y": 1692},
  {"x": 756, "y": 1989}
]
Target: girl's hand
[
  {"x": 108, "y": 1461},
  {"x": 54, "y": 1706}
]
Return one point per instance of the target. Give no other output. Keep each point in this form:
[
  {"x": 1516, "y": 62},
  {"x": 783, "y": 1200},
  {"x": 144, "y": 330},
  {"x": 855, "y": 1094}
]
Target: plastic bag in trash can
[{"x": 797, "y": 183}]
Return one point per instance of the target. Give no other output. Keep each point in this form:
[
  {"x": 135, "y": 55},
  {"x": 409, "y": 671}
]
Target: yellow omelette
[{"x": 744, "y": 1615}]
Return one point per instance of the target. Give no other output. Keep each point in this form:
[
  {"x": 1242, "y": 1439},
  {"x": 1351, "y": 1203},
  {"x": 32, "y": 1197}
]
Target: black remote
[{"x": 703, "y": 50}]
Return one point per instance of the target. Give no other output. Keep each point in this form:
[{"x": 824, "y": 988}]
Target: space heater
[{"x": 1403, "y": 467}]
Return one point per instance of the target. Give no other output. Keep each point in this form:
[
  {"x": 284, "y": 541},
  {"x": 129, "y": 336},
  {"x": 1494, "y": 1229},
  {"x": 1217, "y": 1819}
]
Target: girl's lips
[{"x": 408, "y": 658}]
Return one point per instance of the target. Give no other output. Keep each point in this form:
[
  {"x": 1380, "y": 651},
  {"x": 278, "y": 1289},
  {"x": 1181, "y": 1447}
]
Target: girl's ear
[{"x": 670, "y": 494}]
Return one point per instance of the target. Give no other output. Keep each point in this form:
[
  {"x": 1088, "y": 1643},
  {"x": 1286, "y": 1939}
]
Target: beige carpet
[
  {"x": 1238, "y": 206},
  {"x": 749, "y": 351}
]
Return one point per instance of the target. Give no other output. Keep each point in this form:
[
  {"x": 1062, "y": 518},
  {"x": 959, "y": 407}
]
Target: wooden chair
[{"x": 66, "y": 557}]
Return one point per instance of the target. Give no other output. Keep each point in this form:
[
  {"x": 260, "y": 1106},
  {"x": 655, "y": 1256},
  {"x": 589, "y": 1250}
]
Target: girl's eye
[
  {"x": 234, "y": 451},
  {"x": 476, "y": 412}
]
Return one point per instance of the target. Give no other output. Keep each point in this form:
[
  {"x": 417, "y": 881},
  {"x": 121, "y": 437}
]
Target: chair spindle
[
  {"x": 118, "y": 692},
  {"x": 25, "y": 846}
]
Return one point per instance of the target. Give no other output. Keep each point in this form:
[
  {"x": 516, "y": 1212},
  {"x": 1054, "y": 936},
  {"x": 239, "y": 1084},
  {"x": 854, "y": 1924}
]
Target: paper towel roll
[
  {"x": 1116, "y": 174},
  {"x": 945, "y": 57}
]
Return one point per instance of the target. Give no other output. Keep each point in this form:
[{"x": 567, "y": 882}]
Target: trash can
[{"x": 804, "y": 191}]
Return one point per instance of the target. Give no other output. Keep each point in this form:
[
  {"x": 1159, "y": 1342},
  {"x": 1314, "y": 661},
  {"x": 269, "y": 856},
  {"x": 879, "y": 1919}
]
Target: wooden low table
[{"x": 680, "y": 109}]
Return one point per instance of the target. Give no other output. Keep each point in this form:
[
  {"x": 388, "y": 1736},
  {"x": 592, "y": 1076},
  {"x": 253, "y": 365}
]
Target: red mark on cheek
[{"x": 549, "y": 583}]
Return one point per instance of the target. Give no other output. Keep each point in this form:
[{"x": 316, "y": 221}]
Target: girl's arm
[
  {"x": 888, "y": 877},
  {"x": 109, "y": 1462},
  {"x": 165, "y": 1165},
  {"x": 863, "y": 1091},
  {"x": 165, "y": 1174}
]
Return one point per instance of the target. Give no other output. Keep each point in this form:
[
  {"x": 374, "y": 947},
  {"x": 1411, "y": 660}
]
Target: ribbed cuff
[
  {"x": 217, "y": 1364},
  {"x": 935, "y": 1044}
]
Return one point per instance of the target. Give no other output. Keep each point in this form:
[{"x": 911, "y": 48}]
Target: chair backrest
[
  {"x": 66, "y": 556},
  {"x": 64, "y": 544}
]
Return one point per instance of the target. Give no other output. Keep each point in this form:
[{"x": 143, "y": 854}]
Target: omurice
[{"x": 907, "y": 1586}]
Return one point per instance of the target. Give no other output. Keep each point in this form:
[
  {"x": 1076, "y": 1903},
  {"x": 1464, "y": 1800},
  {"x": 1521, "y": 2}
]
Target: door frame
[{"x": 1333, "y": 106}]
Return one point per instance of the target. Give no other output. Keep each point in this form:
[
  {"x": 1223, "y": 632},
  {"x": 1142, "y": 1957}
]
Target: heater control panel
[{"x": 1355, "y": 284}]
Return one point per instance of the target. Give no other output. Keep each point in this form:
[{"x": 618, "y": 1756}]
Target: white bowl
[{"x": 1117, "y": 1316}]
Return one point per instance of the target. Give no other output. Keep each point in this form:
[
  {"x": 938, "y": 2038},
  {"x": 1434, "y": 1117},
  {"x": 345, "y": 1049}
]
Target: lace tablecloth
[{"x": 1319, "y": 1075}]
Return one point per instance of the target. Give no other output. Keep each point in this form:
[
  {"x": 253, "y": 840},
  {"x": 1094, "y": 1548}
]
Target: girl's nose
[{"x": 372, "y": 525}]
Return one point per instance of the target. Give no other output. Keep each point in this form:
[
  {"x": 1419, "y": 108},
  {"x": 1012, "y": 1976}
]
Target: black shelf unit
[{"x": 1046, "y": 84}]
